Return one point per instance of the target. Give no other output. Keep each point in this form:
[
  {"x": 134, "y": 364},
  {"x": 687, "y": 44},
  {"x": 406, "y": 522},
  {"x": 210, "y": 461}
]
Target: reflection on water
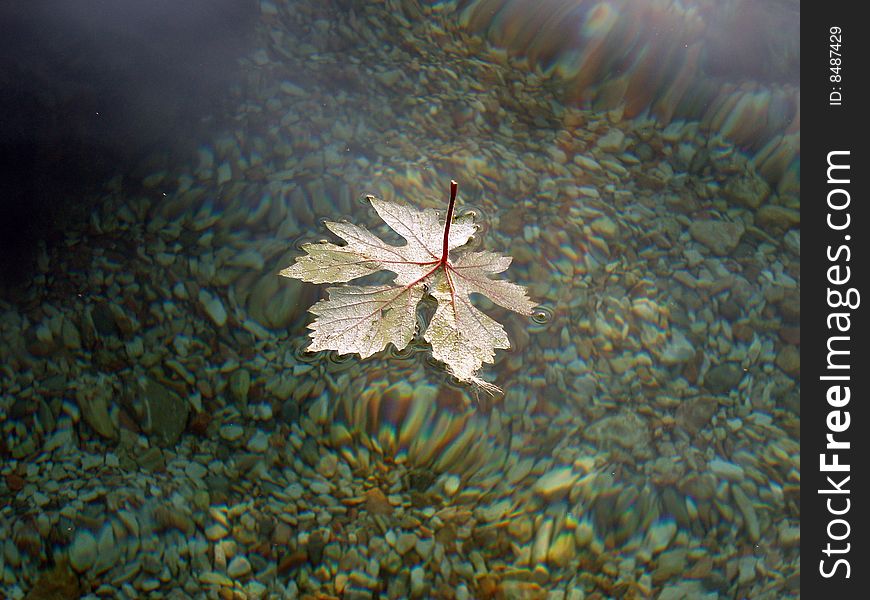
[{"x": 166, "y": 434}]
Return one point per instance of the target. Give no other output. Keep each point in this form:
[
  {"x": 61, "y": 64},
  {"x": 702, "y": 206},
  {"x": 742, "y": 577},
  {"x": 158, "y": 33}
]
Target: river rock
[
  {"x": 777, "y": 219},
  {"x": 747, "y": 189},
  {"x": 723, "y": 378},
  {"x": 789, "y": 360},
  {"x": 721, "y": 237},
  {"x": 165, "y": 413},
  {"x": 83, "y": 551}
]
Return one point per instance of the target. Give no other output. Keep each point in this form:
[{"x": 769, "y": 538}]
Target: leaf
[{"x": 365, "y": 319}]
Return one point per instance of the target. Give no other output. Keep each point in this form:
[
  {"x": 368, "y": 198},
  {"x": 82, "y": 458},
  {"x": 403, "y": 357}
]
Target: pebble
[
  {"x": 239, "y": 567},
  {"x": 327, "y": 465},
  {"x": 424, "y": 547},
  {"x": 195, "y": 470},
  {"x": 240, "y": 385},
  {"x": 418, "y": 581},
  {"x": 777, "y": 219},
  {"x": 83, "y": 551},
  {"x": 660, "y": 534},
  {"x": 213, "y": 306},
  {"x": 726, "y": 470},
  {"x": 556, "y": 482},
  {"x": 723, "y": 378},
  {"x": 612, "y": 141},
  {"x": 587, "y": 162},
  {"x": 258, "y": 443},
  {"x": 224, "y": 173},
  {"x": 753, "y": 528},
  {"x": 721, "y": 237},
  {"x": 295, "y": 491},
  {"x": 405, "y": 542},
  {"x": 747, "y": 190},
  {"x": 166, "y": 413},
  {"x": 562, "y": 549},
  {"x": 678, "y": 349},
  {"x": 149, "y": 584},
  {"x": 231, "y": 432},
  {"x": 215, "y": 532},
  {"x": 789, "y": 360},
  {"x": 746, "y": 569},
  {"x": 451, "y": 485}
]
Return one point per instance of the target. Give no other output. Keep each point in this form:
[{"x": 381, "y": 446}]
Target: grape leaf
[{"x": 365, "y": 319}]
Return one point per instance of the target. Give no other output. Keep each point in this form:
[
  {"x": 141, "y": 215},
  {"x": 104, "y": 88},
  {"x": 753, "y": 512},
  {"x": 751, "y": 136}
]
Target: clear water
[{"x": 167, "y": 435}]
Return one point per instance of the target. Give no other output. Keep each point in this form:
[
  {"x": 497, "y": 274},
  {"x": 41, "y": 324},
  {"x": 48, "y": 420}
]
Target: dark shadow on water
[{"x": 89, "y": 89}]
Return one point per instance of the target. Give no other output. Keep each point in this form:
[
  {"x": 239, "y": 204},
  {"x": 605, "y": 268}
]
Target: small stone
[
  {"x": 405, "y": 543},
  {"x": 611, "y": 141},
  {"x": 694, "y": 414},
  {"x": 584, "y": 533},
  {"x": 376, "y": 502},
  {"x": 556, "y": 482},
  {"x": 316, "y": 545},
  {"x": 151, "y": 460},
  {"x": 319, "y": 487},
  {"x": 521, "y": 528},
  {"x": 625, "y": 429},
  {"x": 604, "y": 226},
  {"x": 644, "y": 152},
  {"x": 418, "y": 585},
  {"x": 258, "y": 443},
  {"x": 721, "y": 237},
  {"x": 424, "y": 547},
  {"x": 108, "y": 551},
  {"x": 239, "y": 567},
  {"x": 224, "y": 173},
  {"x": 723, "y": 378},
  {"x": 213, "y": 306},
  {"x": 750, "y": 517},
  {"x": 587, "y": 162},
  {"x": 94, "y": 406},
  {"x": 747, "y": 189},
  {"x": 255, "y": 590},
  {"x": 670, "y": 564},
  {"x": 699, "y": 487},
  {"x": 295, "y": 491},
  {"x": 726, "y": 470},
  {"x": 790, "y": 537},
  {"x": 83, "y": 551},
  {"x": 777, "y": 219},
  {"x": 215, "y": 532},
  {"x": 678, "y": 349},
  {"x": 165, "y": 413},
  {"x": 789, "y": 360},
  {"x": 327, "y": 465},
  {"x": 562, "y": 549},
  {"x": 746, "y": 569},
  {"x": 660, "y": 534},
  {"x": 70, "y": 335},
  {"x": 195, "y": 470},
  {"x": 451, "y": 485},
  {"x": 231, "y": 432},
  {"x": 240, "y": 385},
  {"x": 790, "y": 306}
]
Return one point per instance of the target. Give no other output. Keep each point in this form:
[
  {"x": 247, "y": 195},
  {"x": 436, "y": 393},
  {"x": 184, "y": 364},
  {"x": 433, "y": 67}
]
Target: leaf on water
[{"x": 365, "y": 319}]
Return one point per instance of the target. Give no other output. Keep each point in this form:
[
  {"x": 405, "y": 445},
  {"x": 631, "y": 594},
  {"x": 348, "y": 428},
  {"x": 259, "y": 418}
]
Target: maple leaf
[{"x": 365, "y": 319}]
